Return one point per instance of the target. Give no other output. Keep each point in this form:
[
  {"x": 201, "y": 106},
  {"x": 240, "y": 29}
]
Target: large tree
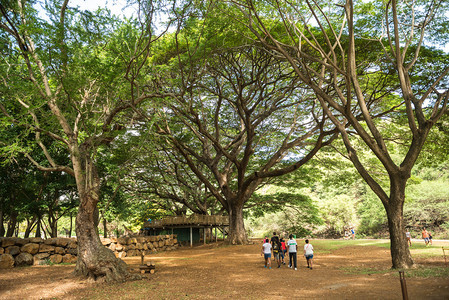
[
  {"x": 241, "y": 118},
  {"x": 344, "y": 52},
  {"x": 72, "y": 77}
]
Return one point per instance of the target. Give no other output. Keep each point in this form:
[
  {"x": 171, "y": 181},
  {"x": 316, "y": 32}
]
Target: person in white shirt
[
  {"x": 266, "y": 251},
  {"x": 409, "y": 238},
  {"x": 308, "y": 253},
  {"x": 292, "y": 247}
]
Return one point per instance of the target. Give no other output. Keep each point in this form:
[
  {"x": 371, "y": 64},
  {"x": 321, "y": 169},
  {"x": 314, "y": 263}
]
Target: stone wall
[{"x": 37, "y": 251}]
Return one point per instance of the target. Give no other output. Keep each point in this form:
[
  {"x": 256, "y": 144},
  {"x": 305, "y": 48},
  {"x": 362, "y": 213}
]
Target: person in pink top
[{"x": 283, "y": 250}]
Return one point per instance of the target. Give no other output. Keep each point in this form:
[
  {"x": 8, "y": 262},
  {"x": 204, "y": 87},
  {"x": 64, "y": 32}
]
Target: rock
[
  {"x": 112, "y": 246},
  {"x": 121, "y": 254},
  {"x": 31, "y": 248},
  {"x": 59, "y": 250},
  {"x": 133, "y": 253},
  {"x": 46, "y": 248},
  {"x": 21, "y": 242},
  {"x": 139, "y": 246},
  {"x": 36, "y": 240},
  {"x": 68, "y": 258},
  {"x": 119, "y": 247},
  {"x": 2, "y": 250},
  {"x": 161, "y": 244},
  {"x": 106, "y": 242},
  {"x": 72, "y": 251},
  {"x": 8, "y": 241},
  {"x": 13, "y": 250},
  {"x": 123, "y": 240},
  {"x": 132, "y": 240},
  {"x": 56, "y": 258},
  {"x": 151, "y": 246},
  {"x": 63, "y": 242},
  {"x": 72, "y": 244},
  {"x": 6, "y": 261},
  {"x": 24, "y": 259},
  {"x": 140, "y": 239},
  {"x": 130, "y": 247},
  {"x": 40, "y": 259},
  {"x": 113, "y": 240},
  {"x": 51, "y": 241}
]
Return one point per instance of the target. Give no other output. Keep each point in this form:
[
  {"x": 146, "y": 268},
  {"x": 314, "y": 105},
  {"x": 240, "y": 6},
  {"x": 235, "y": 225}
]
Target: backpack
[{"x": 276, "y": 245}]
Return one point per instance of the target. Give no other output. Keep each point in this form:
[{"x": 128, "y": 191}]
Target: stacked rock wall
[
  {"x": 37, "y": 251},
  {"x": 136, "y": 246}
]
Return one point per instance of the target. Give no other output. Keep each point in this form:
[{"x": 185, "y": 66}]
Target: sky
[{"x": 116, "y": 6}]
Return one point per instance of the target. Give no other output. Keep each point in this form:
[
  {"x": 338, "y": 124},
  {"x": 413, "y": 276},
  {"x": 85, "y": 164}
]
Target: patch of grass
[
  {"x": 327, "y": 246},
  {"x": 423, "y": 251},
  {"x": 364, "y": 271},
  {"x": 426, "y": 272}
]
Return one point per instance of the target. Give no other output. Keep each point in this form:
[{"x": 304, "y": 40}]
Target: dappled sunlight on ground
[{"x": 349, "y": 271}]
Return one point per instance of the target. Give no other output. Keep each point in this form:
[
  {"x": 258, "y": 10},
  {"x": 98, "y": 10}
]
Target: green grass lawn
[{"x": 417, "y": 250}]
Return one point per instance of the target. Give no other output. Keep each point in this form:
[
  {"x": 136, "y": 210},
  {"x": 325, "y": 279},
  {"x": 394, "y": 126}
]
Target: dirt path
[{"x": 225, "y": 272}]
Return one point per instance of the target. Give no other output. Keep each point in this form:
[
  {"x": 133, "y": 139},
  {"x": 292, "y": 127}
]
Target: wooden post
[
  {"x": 403, "y": 285},
  {"x": 191, "y": 237},
  {"x": 204, "y": 235}
]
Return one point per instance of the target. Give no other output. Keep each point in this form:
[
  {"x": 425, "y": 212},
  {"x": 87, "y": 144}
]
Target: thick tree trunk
[
  {"x": 2, "y": 228},
  {"x": 400, "y": 252},
  {"x": 105, "y": 228},
  {"x": 11, "y": 224},
  {"x": 30, "y": 225},
  {"x": 71, "y": 225},
  {"x": 237, "y": 232},
  {"x": 38, "y": 227},
  {"x": 94, "y": 260}
]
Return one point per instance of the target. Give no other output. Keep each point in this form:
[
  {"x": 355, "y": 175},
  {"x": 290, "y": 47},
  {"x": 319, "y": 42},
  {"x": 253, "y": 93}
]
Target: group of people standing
[{"x": 280, "y": 249}]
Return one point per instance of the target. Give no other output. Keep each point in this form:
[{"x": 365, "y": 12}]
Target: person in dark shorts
[{"x": 276, "y": 246}]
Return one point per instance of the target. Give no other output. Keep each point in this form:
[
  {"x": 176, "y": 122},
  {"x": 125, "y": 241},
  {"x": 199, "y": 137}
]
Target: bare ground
[{"x": 219, "y": 271}]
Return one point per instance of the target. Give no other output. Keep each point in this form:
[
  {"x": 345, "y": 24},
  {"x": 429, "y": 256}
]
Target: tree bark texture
[
  {"x": 400, "y": 252},
  {"x": 95, "y": 261},
  {"x": 237, "y": 232},
  {"x": 2, "y": 228}
]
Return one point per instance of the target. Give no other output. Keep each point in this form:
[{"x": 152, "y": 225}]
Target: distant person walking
[
  {"x": 283, "y": 250},
  {"x": 308, "y": 253},
  {"x": 276, "y": 246},
  {"x": 353, "y": 233},
  {"x": 409, "y": 238},
  {"x": 292, "y": 247},
  {"x": 266, "y": 252},
  {"x": 430, "y": 237},
  {"x": 425, "y": 236}
]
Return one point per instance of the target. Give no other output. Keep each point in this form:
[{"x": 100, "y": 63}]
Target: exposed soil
[{"x": 219, "y": 271}]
